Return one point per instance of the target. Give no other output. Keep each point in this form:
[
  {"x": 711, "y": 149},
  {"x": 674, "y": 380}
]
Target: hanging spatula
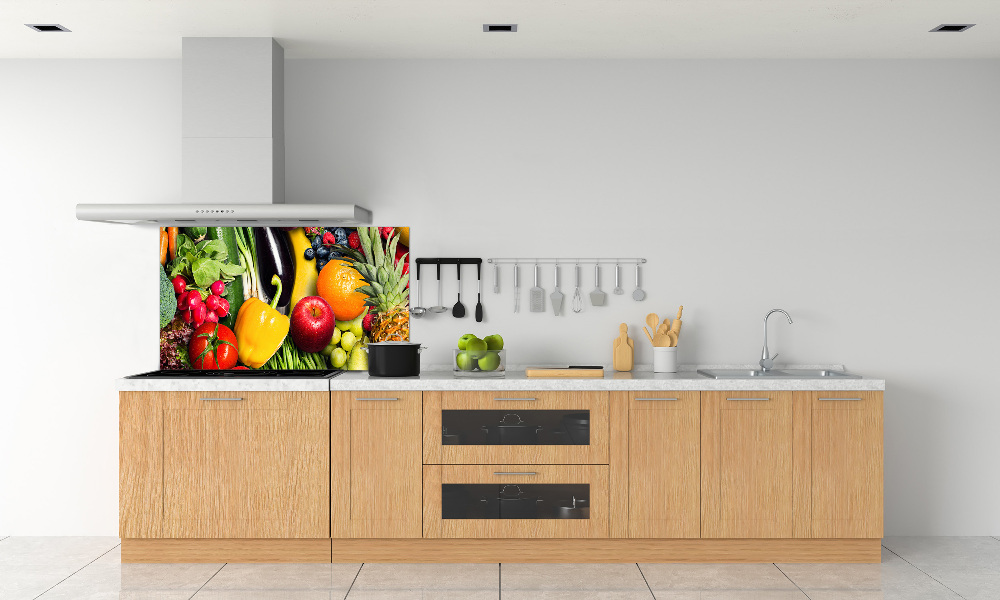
[
  {"x": 597, "y": 297},
  {"x": 556, "y": 296},
  {"x": 536, "y": 295}
]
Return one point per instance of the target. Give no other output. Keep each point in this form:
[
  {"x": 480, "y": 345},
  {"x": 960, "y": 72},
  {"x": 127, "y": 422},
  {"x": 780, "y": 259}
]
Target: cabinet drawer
[
  {"x": 516, "y": 427},
  {"x": 515, "y": 501}
]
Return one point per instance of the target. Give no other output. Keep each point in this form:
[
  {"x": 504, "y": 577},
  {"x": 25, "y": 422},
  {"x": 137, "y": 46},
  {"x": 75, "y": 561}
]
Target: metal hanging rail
[{"x": 566, "y": 261}]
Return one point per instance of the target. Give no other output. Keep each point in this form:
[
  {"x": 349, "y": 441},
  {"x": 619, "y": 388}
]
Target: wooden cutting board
[{"x": 564, "y": 372}]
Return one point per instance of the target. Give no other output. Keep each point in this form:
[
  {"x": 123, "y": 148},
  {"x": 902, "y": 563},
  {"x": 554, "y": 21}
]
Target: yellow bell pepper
[{"x": 260, "y": 329}]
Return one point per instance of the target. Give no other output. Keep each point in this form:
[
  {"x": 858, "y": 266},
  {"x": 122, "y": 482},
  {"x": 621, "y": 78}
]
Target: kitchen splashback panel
[{"x": 280, "y": 298}]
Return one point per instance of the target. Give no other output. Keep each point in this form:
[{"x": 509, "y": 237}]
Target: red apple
[{"x": 312, "y": 324}]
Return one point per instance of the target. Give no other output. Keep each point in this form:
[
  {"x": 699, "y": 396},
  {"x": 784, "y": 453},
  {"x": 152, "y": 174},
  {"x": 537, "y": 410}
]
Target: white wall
[{"x": 860, "y": 196}]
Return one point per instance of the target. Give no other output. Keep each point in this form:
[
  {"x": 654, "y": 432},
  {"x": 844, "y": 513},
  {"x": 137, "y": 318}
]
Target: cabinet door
[
  {"x": 140, "y": 468},
  {"x": 376, "y": 465},
  {"x": 663, "y": 458},
  {"x": 246, "y": 465},
  {"x": 847, "y": 464},
  {"x": 746, "y": 481}
]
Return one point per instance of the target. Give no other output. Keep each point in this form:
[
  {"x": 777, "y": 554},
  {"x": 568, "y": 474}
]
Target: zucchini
[{"x": 234, "y": 289}]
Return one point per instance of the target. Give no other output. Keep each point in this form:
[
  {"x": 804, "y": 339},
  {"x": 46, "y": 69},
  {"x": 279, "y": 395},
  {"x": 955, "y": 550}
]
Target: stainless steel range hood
[{"x": 233, "y": 168}]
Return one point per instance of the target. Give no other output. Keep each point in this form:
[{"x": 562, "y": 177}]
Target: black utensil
[
  {"x": 479, "y": 298},
  {"x": 459, "y": 310}
]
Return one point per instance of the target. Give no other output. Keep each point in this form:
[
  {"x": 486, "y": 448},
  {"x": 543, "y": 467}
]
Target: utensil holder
[{"x": 664, "y": 359}]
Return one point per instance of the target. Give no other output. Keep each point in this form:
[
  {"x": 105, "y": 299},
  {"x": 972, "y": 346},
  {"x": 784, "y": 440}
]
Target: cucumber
[{"x": 234, "y": 289}]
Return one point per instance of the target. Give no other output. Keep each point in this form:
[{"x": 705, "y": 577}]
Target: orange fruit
[{"x": 337, "y": 284}]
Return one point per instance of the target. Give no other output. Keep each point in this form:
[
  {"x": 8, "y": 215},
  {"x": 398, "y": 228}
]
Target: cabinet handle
[
  {"x": 514, "y": 473},
  {"x": 656, "y": 399},
  {"x": 742, "y": 399},
  {"x": 223, "y": 399},
  {"x": 377, "y": 399},
  {"x": 515, "y": 399},
  {"x": 840, "y": 399}
]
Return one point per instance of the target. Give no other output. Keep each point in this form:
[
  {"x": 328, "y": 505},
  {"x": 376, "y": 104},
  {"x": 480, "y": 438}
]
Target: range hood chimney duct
[{"x": 233, "y": 145}]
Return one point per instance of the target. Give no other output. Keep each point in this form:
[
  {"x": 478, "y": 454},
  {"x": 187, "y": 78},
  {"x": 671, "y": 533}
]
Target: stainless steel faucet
[{"x": 766, "y": 360}]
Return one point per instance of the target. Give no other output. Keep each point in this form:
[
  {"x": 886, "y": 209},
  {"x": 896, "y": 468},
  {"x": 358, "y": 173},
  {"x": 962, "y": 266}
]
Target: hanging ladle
[
  {"x": 417, "y": 311},
  {"x": 439, "y": 308}
]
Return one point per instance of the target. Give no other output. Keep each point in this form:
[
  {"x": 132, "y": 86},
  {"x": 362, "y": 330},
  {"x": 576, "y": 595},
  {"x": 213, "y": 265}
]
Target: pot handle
[{"x": 421, "y": 348}]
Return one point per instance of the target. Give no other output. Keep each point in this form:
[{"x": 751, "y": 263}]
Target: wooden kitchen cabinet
[
  {"x": 375, "y": 480},
  {"x": 224, "y": 465},
  {"x": 663, "y": 464},
  {"x": 746, "y": 465},
  {"x": 842, "y": 496}
]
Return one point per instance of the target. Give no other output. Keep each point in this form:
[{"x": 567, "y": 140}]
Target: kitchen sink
[{"x": 777, "y": 374}]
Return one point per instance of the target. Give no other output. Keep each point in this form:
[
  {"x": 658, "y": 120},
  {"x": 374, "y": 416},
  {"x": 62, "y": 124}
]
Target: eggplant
[{"x": 274, "y": 257}]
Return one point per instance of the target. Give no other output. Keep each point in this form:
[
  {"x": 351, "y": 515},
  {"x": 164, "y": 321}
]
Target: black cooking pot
[
  {"x": 394, "y": 359},
  {"x": 513, "y": 431}
]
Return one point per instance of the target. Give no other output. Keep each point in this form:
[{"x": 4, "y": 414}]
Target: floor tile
[
  {"x": 63, "y": 551},
  {"x": 957, "y": 552},
  {"x": 270, "y": 594},
  {"x": 572, "y": 581},
  {"x": 748, "y": 595},
  {"x": 426, "y": 582},
  {"x": 971, "y": 584},
  {"x": 840, "y": 577},
  {"x": 137, "y": 577},
  {"x": 335, "y": 577},
  {"x": 665, "y": 577},
  {"x": 24, "y": 582}
]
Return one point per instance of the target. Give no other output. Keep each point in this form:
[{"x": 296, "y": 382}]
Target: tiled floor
[{"x": 90, "y": 569}]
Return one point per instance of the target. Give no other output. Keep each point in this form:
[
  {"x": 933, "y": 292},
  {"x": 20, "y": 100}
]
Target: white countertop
[{"x": 640, "y": 379}]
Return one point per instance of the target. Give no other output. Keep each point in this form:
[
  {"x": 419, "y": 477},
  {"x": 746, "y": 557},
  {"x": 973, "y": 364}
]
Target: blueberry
[
  {"x": 340, "y": 235},
  {"x": 310, "y": 254},
  {"x": 317, "y": 242},
  {"x": 320, "y": 263},
  {"x": 322, "y": 252}
]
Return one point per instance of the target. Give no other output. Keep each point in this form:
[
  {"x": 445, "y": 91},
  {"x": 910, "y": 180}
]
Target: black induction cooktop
[{"x": 239, "y": 374}]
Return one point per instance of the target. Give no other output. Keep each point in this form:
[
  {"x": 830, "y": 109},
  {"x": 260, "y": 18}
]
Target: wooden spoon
[
  {"x": 673, "y": 338},
  {"x": 653, "y": 321},
  {"x": 661, "y": 338},
  {"x": 649, "y": 336}
]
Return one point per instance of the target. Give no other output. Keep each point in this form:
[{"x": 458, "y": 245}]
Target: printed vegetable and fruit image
[{"x": 281, "y": 298}]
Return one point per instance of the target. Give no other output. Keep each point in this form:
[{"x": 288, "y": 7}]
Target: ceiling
[{"x": 546, "y": 28}]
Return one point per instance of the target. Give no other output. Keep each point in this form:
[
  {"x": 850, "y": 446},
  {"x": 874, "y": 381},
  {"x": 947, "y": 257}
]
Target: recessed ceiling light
[
  {"x": 45, "y": 28},
  {"x": 507, "y": 27},
  {"x": 952, "y": 27}
]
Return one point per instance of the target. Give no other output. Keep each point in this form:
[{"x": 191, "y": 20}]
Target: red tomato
[{"x": 213, "y": 346}]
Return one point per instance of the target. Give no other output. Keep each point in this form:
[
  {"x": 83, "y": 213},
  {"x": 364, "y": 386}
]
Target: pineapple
[{"x": 386, "y": 288}]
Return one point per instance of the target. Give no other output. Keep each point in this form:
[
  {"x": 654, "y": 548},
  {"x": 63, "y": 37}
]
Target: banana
[{"x": 305, "y": 270}]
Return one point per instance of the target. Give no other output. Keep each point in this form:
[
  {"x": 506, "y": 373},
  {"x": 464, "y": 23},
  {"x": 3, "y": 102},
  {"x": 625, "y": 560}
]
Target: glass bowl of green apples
[{"x": 477, "y": 357}]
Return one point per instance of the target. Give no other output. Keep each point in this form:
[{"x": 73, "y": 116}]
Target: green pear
[{"x": 358, "y": 361}]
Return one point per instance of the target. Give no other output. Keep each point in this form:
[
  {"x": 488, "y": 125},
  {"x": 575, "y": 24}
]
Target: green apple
[
  {"x": 347, "y": 340},
  {"x": 465, "y": 361},
  {"x": 338, "y": 358},
  {"x": 476, "y": 347},
  {"x": 464, "y": 340},
  {"x": 494, "y": 342},
  {"x": 490, "y": 361},
  {"x": 358, "y": 361}
]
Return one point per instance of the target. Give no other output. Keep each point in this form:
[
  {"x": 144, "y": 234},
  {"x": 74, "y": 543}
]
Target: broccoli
[{"x": 168, "y": 300}]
